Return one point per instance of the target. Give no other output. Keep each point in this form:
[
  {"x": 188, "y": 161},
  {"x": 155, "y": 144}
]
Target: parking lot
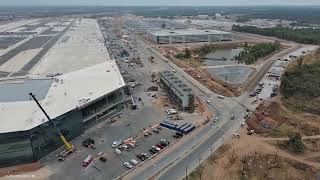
[
  {"x": 268, "y": 87},
  {"x": 97, "y": 168}
]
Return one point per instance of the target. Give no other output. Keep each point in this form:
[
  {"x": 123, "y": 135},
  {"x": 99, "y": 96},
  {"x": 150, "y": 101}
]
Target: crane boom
[{"x": 69, "y": 147}]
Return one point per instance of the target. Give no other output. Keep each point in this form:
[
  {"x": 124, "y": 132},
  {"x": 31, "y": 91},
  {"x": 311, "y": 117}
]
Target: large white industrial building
[
  {"x": 75, "y": 81},
  {"x": 168, "y": 36}
]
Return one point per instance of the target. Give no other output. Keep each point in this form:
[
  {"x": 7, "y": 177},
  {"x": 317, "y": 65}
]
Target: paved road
[{"x": 172, "y": 165}]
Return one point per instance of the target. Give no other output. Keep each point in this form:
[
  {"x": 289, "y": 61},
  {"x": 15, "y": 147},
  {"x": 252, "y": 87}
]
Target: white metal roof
[
  {"x": 65, "y": 94},
  {"x": 185, "y": 32}
]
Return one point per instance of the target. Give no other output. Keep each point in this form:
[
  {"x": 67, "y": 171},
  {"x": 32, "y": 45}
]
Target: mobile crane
[{"x": 69, "y": 147}]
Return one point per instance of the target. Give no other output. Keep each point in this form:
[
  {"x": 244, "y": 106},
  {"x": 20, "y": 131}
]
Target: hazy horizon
[{"x": 158, "y": 3}]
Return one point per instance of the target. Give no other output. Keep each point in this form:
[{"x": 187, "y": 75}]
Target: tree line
[
  {"x": 251, "y": 54},
  {"x": 305, "y": 36}
]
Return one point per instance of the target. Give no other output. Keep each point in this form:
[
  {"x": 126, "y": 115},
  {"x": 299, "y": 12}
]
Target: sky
[{"x": 157, "y": 2}]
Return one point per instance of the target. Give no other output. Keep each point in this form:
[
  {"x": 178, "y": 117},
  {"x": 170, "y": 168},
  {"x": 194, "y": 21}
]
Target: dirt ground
[
  {"x": 199, "y": 116},
  {"x": 273, "y": 119},
  {"x": 10, "y": 172},
  {"x": 254, "y": 157}
]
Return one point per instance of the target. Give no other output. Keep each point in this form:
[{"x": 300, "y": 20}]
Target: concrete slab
[
  {"x": 235, "y": 75},
  {"x": 18, "y": 61}
]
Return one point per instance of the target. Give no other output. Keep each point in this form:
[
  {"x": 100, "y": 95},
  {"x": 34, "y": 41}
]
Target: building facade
[
  {"x": 178, "y": 92},
  {"x": 188, "y": 36},
  {"x": 31, "y": 145}
]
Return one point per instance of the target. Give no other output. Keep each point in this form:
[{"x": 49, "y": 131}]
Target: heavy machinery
[{"x": 69, "y": 147}]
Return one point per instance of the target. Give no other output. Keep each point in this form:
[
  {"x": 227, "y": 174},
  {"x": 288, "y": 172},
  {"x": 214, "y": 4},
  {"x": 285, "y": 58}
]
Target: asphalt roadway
[{"x": 203, "y": 142}]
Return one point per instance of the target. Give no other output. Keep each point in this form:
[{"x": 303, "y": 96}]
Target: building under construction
[
  {"x": 77, "y": 84},
  {"x": 177, "y": 91},
  {"x": 26, "y": 135}
]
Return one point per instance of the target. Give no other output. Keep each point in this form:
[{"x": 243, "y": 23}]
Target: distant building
[
  {"x": 178, "y": 92},
  {"x": 188, "y": 36},
  {"x": 200, "y": 16}
]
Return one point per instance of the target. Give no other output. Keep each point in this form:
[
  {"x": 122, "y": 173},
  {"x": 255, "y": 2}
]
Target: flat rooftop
[
  {"x": 82, "y": 45},
  {"x": 176, "y": 83},
  {"x": 66, "y": 67},
  {"x": 57, "y": 95},
  {"x": 24, "y": 43},
  {"x": 187, "y": 32}
]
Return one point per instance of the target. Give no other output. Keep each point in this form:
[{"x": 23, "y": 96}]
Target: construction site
[{"x": 129, "y": 97}]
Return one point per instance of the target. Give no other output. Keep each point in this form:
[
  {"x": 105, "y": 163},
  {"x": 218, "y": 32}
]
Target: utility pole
[
  {"x": 243, "y": 163},
  {"x": 275, "y": 157},
  {"x": 186, "y": 172}
]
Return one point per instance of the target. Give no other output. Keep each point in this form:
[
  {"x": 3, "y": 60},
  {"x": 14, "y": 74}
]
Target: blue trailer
[
  {"x": 189, "y": 129},
  {"x": 181, "y": 126},
  {"x": 168, "y": 125}
]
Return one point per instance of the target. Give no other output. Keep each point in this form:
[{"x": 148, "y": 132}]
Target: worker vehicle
[
  {"x": 171, "y": 111},
  {"x": 88, "y": 143},
  {"x": 251, "y": 131},
  {"x": 232, "y": 116},
  {"x": 216, "y": 119}
]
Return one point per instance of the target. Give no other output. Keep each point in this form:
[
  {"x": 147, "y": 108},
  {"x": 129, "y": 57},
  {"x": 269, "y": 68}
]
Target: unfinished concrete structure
[{"x": 178, "y": 92}]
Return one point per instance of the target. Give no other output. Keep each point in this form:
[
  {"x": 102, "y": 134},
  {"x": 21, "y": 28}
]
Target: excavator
[{"x": 69, "y": 148}]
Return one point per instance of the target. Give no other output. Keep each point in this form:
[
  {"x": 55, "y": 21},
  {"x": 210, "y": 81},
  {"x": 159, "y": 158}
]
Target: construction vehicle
[
  {"x": 68, "y": 146},
  {"x": 88, "y": 143}
]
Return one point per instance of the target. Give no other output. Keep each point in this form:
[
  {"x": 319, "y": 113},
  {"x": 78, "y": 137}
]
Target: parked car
[
  {"x": 220, "y": 97},
  {"x": 153, "y": 151},
  {"x": 142, "y": 157},
  {"x": 128, "y": 165},
  {"x": 164, "y": 142},
  {"x": 216, "y": 119},
  {"x": 116, "y": 143},
  {"x": 160, "y": 146},
  {"x": 156, "y": 148},
  {"x": 134, "y": 162},
  {"x": 87, "y": 160},
  {"x": 117, "y": 151}
]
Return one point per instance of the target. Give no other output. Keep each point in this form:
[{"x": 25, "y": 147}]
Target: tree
[
  {"x": 295, "y": 143},
  {"x": 187, "y": 53}
]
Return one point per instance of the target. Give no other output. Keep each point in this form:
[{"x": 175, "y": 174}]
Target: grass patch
[
  {"x": 284, "y": 130},
  {"x": 301, "y": 87}
]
